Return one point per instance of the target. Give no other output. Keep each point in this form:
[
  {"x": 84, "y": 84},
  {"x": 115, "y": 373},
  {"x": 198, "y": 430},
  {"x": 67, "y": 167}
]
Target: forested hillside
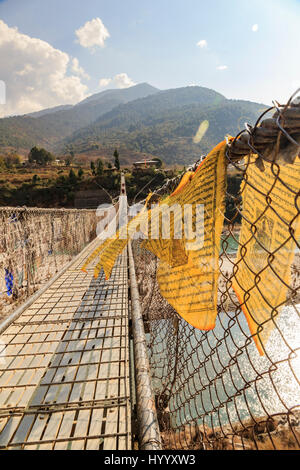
[
  {"x": 137, "y": 120},
  {"x": 50, "y": 126},
  {"x": 166, "y": 123}
]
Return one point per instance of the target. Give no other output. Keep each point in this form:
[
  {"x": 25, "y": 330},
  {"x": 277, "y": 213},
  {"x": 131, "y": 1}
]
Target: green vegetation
[
  {"x": 100, "y": 167},
  {"x": 138, "y": 120},
  {"x": 35, "y": 179},
  {"x": 234, "y": 200},
  {"x": 72, "y": 177},
  {"x": 40, "y": 156},
  {"x": 48, "y": 127},
  {"x": 10, "y": 161},
  {"x": 165, "y": 124},
  {"x": 51, "y": 186},
  {"x": 117, "y": 160},
  {"x": 121, "y": 126}
]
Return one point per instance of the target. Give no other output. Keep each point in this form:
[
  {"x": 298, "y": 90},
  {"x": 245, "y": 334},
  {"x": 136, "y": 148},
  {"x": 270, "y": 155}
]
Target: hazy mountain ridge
[
  {"x": 44, "y": 112},
  {"x": 49, "y": 126},
  {"x": 139, "y": 119},
  {"x": 124, "y": 95},
  {"x": 164, "y": 124}
]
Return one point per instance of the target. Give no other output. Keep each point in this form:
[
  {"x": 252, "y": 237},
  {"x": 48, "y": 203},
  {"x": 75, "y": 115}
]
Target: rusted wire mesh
[
  {"x": 213, "y": 389},
  {"x": 34, "y": 245}
]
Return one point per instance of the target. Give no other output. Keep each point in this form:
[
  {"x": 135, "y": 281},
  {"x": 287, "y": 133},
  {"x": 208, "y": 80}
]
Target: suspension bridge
[
  {"x": 75, "y": 371},
  {"x": 68, "y": 377}
]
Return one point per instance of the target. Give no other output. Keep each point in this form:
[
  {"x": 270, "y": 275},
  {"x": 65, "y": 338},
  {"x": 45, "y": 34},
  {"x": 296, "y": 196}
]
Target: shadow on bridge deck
[{"x": 65, "y": 383}]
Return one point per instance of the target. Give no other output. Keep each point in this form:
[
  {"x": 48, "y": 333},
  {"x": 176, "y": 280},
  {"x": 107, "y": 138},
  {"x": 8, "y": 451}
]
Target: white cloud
[
  {"x": 120, "y": 81},
  {"x": 123, "y": 81},
  {"x": 92, "y": 34},
  {"x": 202, "y": 43},
  {"x": 35, "y": 74},
  {"x": 79, "y": 70},
  {"x": 222, "y": 67},
  {"x": 255, "y": 28},
  {"x": 104, "y": 82}
]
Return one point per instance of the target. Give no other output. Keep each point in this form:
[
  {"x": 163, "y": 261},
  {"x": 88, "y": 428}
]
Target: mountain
[
  {"x": 43, "y": 112},
  {"x": 164, "y": 125},
  {"x": 124, "y": 95},
  {"x": 138, "y": 120},
  {"x": 49, "y": 126}
]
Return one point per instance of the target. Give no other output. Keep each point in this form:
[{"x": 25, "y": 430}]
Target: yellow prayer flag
[
  {"x": 270, "y": 228},
  {"x": 112, "y": 247},
  {"x": 188, "y": 252},
  {"x": 188, "y": 272},
  {"x": 187, "y": 177}
]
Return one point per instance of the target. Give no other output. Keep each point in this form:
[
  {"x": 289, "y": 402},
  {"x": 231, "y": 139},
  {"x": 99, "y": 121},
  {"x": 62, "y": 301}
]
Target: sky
[{"x": 55, "y": 52}]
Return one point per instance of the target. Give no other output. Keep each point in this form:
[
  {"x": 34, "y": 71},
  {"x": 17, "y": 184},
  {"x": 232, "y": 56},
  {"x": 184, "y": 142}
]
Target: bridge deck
[{"x": 65, "y": 381}]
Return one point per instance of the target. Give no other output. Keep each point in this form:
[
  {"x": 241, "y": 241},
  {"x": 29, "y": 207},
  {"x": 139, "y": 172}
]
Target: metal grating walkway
[{"x": 65, "y": 383}]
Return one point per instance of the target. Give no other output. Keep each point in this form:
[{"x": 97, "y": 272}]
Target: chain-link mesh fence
[
  {"x": 213, "y": 389},
  {"x": 34, "y": 245}
]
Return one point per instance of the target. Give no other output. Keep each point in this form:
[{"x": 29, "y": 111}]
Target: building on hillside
[
  {"x": 146, "y": 164},
  {"x": 58, "y": 162}
]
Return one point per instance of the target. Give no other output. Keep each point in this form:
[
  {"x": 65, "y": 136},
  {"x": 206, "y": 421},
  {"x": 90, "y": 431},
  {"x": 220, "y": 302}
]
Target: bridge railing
[{"x": 34, "y": 245}]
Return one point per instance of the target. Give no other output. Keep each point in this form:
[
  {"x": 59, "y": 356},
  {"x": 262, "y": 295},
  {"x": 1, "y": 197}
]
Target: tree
[
  {"x": 72, "y": 157},
  {"x": 117, "y": 160},
  {"x": 93, "y": 168},
  {"x": 80, "y": 173},
  {"x": 40, "y": 156},
  {"x": 72, "y": 177},
  {"x": 12, "y": 160},
  {"x": 99, "y": 167},
  {"x": 61, "y": 180},
  {"x": 35, "y": 179}
]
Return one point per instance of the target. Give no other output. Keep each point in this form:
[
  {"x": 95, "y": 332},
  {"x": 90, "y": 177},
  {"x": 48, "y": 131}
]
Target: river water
[{"x": 232, "y": 381}]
